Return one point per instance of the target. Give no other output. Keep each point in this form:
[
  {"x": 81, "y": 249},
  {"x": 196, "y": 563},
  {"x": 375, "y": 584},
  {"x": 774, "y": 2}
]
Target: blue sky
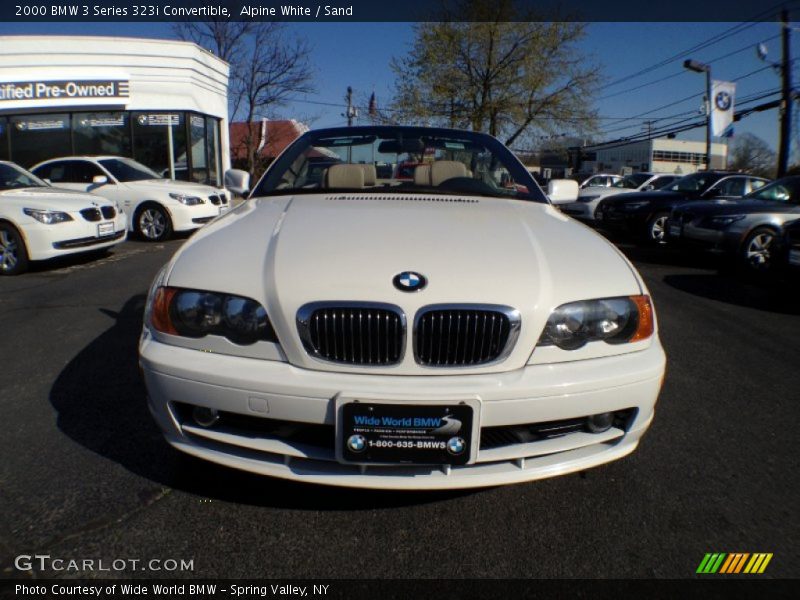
[{"x": 358, "y": 54}]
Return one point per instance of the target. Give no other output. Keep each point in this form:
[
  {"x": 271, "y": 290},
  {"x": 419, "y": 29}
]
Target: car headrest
[
  {"x": 370, "y": 175},
  {"x": 422, "y": 175},
  {"x": 345, "y": 176},
  {"x": 442, "y": 170}
]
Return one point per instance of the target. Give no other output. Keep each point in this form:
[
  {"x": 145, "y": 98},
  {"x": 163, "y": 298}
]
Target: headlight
[
  {"x": 612, "y": 320},
  {"x": 723, "y": 221},
  {"x": 635, "y": 205},
  {"x": 48, "y": 217},
  {"x": 187, "y": 200},
  {"x": 195, "y": 314}
]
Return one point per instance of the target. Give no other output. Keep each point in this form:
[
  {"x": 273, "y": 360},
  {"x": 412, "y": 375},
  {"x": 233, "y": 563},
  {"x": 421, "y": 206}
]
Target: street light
[{"x": 698, "y": 67}]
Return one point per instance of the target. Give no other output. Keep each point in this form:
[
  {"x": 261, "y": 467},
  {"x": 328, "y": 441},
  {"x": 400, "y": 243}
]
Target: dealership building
[
  {"x": 161, "y": 102},
  {"x": 660, "y": 155}
]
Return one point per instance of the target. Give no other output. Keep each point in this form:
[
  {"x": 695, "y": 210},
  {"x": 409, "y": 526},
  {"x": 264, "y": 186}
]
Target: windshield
[
  {"x": 696, "y": 182},
  {"x": 125, "y": 169},
  {"x": 631, "y": 182},
  {"x": 423, "y": 161},
  {"x": 13, "y": 177},
  {"x": 783, "y": 190}
]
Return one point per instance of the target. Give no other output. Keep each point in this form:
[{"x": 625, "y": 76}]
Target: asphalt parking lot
[{"x": 85, "y": 473}]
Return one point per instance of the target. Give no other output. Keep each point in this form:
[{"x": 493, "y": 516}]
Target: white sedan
[
  {"x": 589, "y": 199},
  {"x": 38, "y": 222},
  {"x": 452, "y": 331},
  {"x": 155, "y": 206}
]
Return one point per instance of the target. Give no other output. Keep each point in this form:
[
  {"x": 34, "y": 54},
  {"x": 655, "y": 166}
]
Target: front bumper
[
  {"x": 185, "y": 218},
  {"x": 259, "y": 389},
  {"x": 49, "y": 241}
]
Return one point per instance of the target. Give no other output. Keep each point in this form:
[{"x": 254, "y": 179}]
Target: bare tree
[
  {"x": 490, "y": 74},
  {"x": 753, "y": 155},
  {"x": 268, "y": 66}
]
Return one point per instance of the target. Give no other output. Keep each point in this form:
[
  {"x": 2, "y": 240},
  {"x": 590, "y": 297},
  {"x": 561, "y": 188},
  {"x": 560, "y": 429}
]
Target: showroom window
[
  {"x": 159, "y": 141},
  {"x": 212, "y": 147},
  {"x": 151, "y": 138},
  {"x": 4, "y": 139},
  {"x": 102, "y": 133},
  {"x": 197, "y": 131},
  {"x": 34, "y": 137}
]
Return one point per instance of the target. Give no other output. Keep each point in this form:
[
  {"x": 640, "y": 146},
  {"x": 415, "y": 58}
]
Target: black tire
[
  {"x": 656, "y": 232},
  {"x": 152, "y": 223},
  {"x": 13, "y": 253},
  {"x": 757, "y": 254}
]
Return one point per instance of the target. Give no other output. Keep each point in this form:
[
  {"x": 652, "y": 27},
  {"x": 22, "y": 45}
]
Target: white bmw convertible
[
  {"x": 447, "y": 332},
  {"x": 39, "y": 222}
]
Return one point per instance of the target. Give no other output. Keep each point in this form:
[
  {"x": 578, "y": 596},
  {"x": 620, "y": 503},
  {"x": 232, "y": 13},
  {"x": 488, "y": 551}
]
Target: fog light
[
  {"x": 600, "y": 423},
  {"x": 205, "y": 417}
]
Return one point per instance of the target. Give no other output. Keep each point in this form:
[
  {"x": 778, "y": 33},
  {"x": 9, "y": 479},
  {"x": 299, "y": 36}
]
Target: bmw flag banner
[{"x": 722, "y": 95}]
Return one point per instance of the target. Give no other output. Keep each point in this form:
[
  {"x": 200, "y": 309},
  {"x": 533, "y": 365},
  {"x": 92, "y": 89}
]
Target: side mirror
[
  {"x": 99, "y": 180},
  {"x": 237, "y": 181},
  {"x": 562, "y": 191}
]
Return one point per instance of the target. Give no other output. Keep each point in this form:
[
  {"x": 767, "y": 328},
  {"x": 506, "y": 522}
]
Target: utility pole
[
  {"x": 698, "y": 67},
  {"x": 352, "y": 111},
  {"x": 786, "y": 97}
]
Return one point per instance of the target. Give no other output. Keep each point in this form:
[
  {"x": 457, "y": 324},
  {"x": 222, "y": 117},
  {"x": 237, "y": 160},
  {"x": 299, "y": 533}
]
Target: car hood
[
  {"x": 737, "y": 207},
  {"x": 51, "y": 198},
  {"x": 172, "y": 186},
  {"x": 293, "y": 251}
]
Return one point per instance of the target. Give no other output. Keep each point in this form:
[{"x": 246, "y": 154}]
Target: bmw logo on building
[
  {"x": 356, "y": 443},
  {"x": 409, "y": 281},
  {"x": 456, "y": 446}
]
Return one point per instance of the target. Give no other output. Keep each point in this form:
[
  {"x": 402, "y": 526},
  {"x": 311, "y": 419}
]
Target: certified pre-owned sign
[{"x": 22, "y": 91}]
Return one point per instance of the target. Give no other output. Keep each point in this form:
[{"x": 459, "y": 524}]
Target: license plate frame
[
  {"x": 404, "y": 440},
  {"x": 105, "y": 229}
]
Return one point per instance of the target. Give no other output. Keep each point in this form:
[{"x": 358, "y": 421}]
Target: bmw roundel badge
[{"x": 409, "y": 281}]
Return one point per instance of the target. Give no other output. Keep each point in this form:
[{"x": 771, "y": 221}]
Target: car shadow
[
  {"x": 99, "y": 398},
  {"x": 770, "y": 294}
]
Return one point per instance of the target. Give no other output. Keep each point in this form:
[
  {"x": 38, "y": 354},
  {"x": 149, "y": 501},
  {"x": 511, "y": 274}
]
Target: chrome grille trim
[
  {"x": 363, "y": 334},
  {"x": 475, "y": 341}
]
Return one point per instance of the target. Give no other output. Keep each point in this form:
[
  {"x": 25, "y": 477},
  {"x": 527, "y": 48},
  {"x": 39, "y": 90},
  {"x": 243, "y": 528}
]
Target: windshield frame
[
  {"x": 792, "y": 182},
  {"x": 267, "y": 184},
  {"x": 15, "y": 167},
  {"x": 130, "y": 162}
]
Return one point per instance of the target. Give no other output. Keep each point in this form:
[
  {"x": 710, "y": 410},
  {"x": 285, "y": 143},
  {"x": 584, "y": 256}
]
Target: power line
[
  {"x": 735, "y": 30},
  {"x": 683, "y": 71}
]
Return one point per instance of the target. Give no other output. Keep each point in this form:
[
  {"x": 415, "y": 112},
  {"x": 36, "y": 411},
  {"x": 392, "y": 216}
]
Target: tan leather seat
[
  {"x": 442, "y": 170},
  {"x": 344, "y": 177},
  {"x": 422, "y": 175},
  {"x": 370, "y": 175}
]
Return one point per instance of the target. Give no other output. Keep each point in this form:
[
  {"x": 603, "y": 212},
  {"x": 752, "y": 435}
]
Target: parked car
[
  {"x": 592, "y": 180},
  {"x": 590, "y": 198},
  {"x": 644, "y": 214},
  {"x": 155, "y": 206},
  {"x": 447, "y": 333},
  {"x": 790, "y": 246},
  {"x": 747, "y": 229},
  {"x": 38, "y": 222}
]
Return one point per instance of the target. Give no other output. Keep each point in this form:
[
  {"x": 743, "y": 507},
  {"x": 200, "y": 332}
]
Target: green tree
[
  {"x": 509, "y": 79},
  {"x": 751, "y": 154}
]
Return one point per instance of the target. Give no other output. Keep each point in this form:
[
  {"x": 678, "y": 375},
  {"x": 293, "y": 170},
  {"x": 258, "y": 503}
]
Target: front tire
[
  {"x": 758, "y": 250},
  {"x": 153, "y": 223},
  {"x": 13, "y": 254},
  {"x": 657, "y": 228}
]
